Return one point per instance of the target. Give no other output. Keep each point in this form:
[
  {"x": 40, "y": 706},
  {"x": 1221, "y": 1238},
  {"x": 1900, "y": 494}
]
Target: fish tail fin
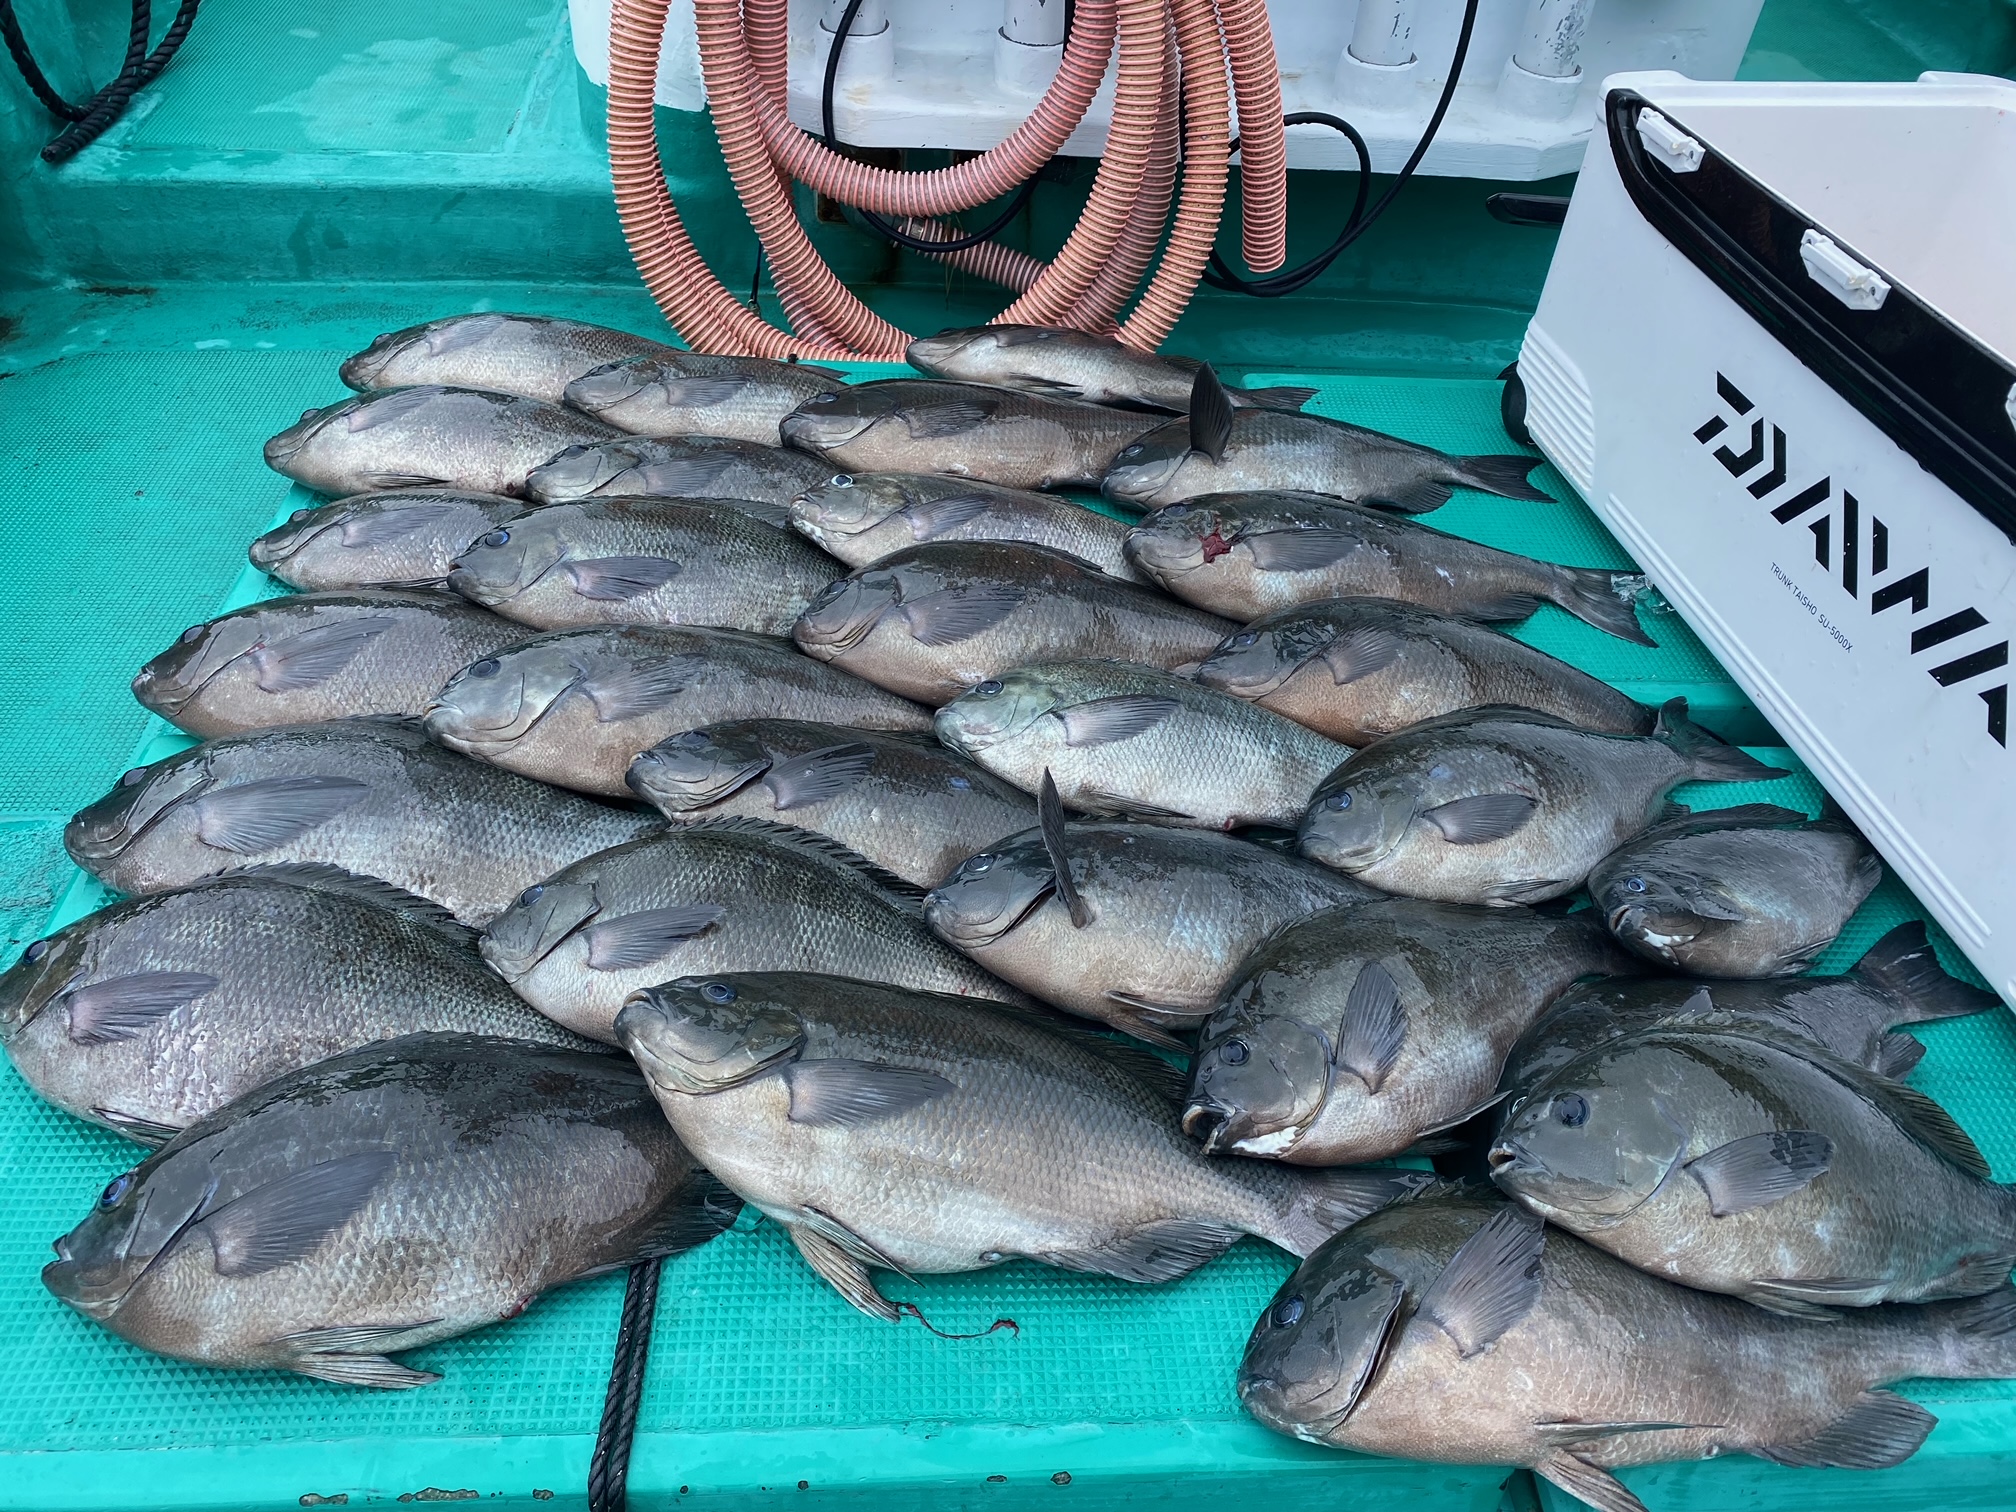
[
  {"x": 1328, "y": 1202},
  {"x": 1709, "y": 758},
  {"x": 1978, "y": 1336},
  {"x": 1903, "y": 966},
  {"x": 1287, "y": 397},
  {"x": 1501, "y": 473},
  {"x": 1604, "y": 598}
]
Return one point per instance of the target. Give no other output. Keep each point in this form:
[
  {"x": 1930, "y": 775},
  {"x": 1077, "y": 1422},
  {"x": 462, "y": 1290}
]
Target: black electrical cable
[
  {"x": 1220, "y": 275},
  {"x": 609, "y": 1466},
  {"x": 89, "y": 121}
]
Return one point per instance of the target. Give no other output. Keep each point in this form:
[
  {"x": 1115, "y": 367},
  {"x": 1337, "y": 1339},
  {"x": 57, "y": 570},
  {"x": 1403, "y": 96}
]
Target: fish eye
[
  {"x": 842, "y": 480},
  {"x": 193, "y": 634},
  {"x": 718, "y": 992},
  {"x": 962, "y": 784},
  {"x": 1572, "y": 1109},
  {"x": 1287, "y": 1312},
  {"x": 488, "y": 667},
  {"x": 1634, "y": 884},
  {"x": 115, "y": 1189},
  {"x": 820, "y": 399},
  {"x": 298, "y": 516},
  {"x": 496, "y": 538},
  {"x": 309, "y": 414},
  {"x": 533, "y": 893},
  {"x": 1338, "y": 801},
  {"x": 1131, "y": 451},
  {"x": 988, "y": 688},
  {"x": 1245, "y": 638},
  {"x": 132, "y": 776},
  {"x": 1234, "y": 1052},
  {"x": 35, "y": 952},
  {"x": 976, "y": 865}
]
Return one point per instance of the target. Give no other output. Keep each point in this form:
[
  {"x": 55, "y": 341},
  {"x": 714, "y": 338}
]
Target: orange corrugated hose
[{"x": 743, "y": 49}]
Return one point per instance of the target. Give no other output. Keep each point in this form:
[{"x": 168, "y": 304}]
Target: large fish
[
  {"x": 533, "y": 355},
  {"x": 642, "y": 562},
  {"x": 1755, "y": 891},
  {"x": 1072, "y": 364},
  {"x": 1135, "y": 925},
  {"x": 680, "y": 467},
  {"x": 370, "y": 796},
  {"x": 726, "y": 895},
  {"x": 1359, "y": 669},
  {"x": 685, "y": 393},
  {"x": 1456, "y": 1329},
  {"x": 314, "y": 656},
  {"x": 153, "y": 1013},
  {"x": 1353, "y": 1034},
  {"x": 1761, "y": 1168},
  {"x": 400, "y": 538},
  {"x": 1119, "y": 738},
  {"x": 1249, "y": 554},
  {"x": 1216, "y": 448},
  {"x": 381, "y": 1200},
  {"x": 903, "y": 1131},
  {"x": 931, "y": 621},
  {"x": 863, "y": 518},
  {"x": 1506, "y": 805},
  {"x": 903, "y": 801},
  {"x": 972, "y": 430},
  {"x": 576, "y": 707}
]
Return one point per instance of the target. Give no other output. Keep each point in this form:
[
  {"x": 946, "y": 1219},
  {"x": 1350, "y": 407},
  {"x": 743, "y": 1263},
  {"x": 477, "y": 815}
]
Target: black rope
[
  {"x": 31, "y": 72},
  {"x": 89, "y": 121},
  {"x": 609, "y": 1466}
]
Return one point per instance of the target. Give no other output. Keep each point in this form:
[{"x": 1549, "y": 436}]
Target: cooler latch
[
  {"x": 1667, "y": 142},
  {"x": 1847, "y": 280}
]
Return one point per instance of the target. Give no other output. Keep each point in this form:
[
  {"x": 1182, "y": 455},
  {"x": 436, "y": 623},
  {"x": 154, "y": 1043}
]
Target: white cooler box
[{"x": 1777, "y": 353}]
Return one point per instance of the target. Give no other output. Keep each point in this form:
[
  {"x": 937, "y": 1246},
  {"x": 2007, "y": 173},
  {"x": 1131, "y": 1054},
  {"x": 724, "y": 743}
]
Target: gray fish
[
  {"x": 1071, "y": 364},
  {"x": 863, "y": 518},
  {"x": 681, "y": 393},
  {"x": 314, "y": 656},
  {"x": 903, "y": 801},
  {"x": 972, "y": 430},
  {"x": 1506, "y": 805},
  {"x": 1755, "y": 891},
  {"x": 576, "y": 707},
  {"x": 1249, "y": 554},
  {"x": 642, "y": 561},
  {"x": 153, "y": 1013},
  {"x": 724, "y": 895},
  {"x": 381, "y": 1200},
  {"x": 1360, "y": 669},
  {"x": 1765, "y": 1169},
  {"x": 1119, "y": 738},
  {"x": 413, "y": 437},
  {"x": 907, "y": 1131},
  {"x": 371, "y": 796},
  {"x": 1353, "y": 1034},
  {"x": 401, "y": 538},
  {"x": 1147, "y": 929},
  {"x": 767, "y": 478},
  {"x": 931, "y": 621},
  {"x": 533, "y": 355},
  {"x": 1216, "y": 448},
  {"x": 1454, "y": 1328},
  {"x": 1898, "y": 981}
]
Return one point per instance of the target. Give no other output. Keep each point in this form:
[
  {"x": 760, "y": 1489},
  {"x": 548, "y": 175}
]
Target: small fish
[
  {"x": 903, "y": 801},
  {"x": 1249, "y": 554},
  {"x": 576, "y": 707},
  {"x": 1503, "y": 806},
  {"x": 1765, "y": 1169},
  {"x": 684, "y": 393},
  {"x": 371, "y": 796},
  {"x": 383, "y": 1199},
  {"x": 765, "y": 478},
  {"x": 414, "y": 437},
  {"x": 861, "y": 519},
  {"x": 155, "y": 1012},
  {"x": 931, "y": 621},
  {"x": 401, "y": 538},
  {"x": 720, "y": 895},
  {"x": 918, "y": 1133},
  {"x": 1755, "y": 891},
  {"x": 1070, "y": 364},
  {"x": 1216, "y": 448},
  {"x": 1360, "y": 669},
  {"x": 641, "y": 561},
  {"x": 1124, "y": 739},
  {"x": 315, "y": 656},
  {"x": 533, "y": 355},
  {"x": 1573, "y": 1364},
  {"x": 972, "y": 430},
  {"x": 1352, "y": 1034}
]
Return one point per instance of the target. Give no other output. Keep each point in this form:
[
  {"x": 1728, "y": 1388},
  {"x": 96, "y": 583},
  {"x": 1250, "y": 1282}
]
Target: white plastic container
[{"x": 1777, "y": 353}]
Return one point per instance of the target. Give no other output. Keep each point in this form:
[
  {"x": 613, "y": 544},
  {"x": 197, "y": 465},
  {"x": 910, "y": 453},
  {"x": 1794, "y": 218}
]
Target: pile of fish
[{"x": 679, "y": 782}]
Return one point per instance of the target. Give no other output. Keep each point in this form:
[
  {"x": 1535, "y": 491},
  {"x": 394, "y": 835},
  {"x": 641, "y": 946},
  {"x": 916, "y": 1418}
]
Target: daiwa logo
[{"x": 1838, "y": 541}]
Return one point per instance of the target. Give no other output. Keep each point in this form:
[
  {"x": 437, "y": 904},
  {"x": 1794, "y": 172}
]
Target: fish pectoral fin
[
  {"x": 614, "y": 578},
  {"x": 249, "y": 817},
  {"x": 1705, "y": 899},
  {"x": 705, "y": 1208},
  {"x": 818, "y": 775},
  {"x": 314, "y": 656},
  {"x": 1368, "y": 649},
  {"x": 1178, "y": 1015},
  {"x": 1586, "y": 1482},
  {"x": 1373, "y": 1027},
  {"x": 629, "y": 691},
  {"x": 843, "y": 1093},
  {"x": 638, "y": 939},
  {"x": 1412, "y": 498},
  {"x": 1490, "y": 1283},
  {"x": 126, "y": 1007},
  {"x": 1469, "y": 1113},
  {"x": 1481, "y": 818},
  {"x": 283, "y": 1220},
  {"x": 704, "y": 393},
  {"x": 1527, "y": 890},
  {"x": 1797, "y": 1299},
  {"x": 1050, "y": 824},
  {"x": 1099, "y": 801},
  {"x": 1210, "y": 414},
  {"x": 140, "y": 1130},
  {"x": 1299, "y": 550},
  {"x": 1565, "y": 1433},
  {"x": 1760, "y": 1169},
  {"x": 1149, "y": 1021},
  {"x": 1107, "y": 721},
  {"x": 1154, "y": 1252},
  {"x": 952, "y": 615},
  {"x": 842, "y": 1262},
  {"x": 951, "y": 419},
  {"x": 1880, "y": 1430},
  {"x": 387, "y": 480},
  {"x": 383, "y": 526},
  {"x": 354, "y": 1338},
  {"x": 936, "y": 517}
]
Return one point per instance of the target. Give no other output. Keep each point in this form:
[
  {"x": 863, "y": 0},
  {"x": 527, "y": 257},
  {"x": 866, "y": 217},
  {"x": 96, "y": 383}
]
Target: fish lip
[
  {"x": 62, "y": 1279},
  {"x": 1197, "y": 1112}
]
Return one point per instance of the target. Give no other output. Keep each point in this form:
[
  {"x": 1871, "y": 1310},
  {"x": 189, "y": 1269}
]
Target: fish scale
[
  {"x": 680, "y": 393},
  {"x": 398, "y": 538}
]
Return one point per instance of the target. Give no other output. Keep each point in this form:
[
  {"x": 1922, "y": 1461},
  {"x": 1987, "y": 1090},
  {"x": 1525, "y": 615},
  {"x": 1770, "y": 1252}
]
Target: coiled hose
[{"x": 1171, "y": 102}]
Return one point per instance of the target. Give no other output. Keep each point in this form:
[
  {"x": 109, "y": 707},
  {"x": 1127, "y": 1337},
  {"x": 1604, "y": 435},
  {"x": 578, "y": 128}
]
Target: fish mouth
[
  {"x": 1655, "y": 929},
  {"x": 1206, "y": 1121},
  {"x": 1221, "y": 1128},
  {"x": 67, "y": 1281}
]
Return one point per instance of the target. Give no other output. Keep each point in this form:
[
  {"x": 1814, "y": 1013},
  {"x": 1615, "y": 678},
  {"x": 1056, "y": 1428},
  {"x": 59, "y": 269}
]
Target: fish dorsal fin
[
  {"x": 1210, "y": 414},
  {"x": 315, "y": 655},
  {"x": 820, "y": 847},
  {"x": 1373, "y": 1027},
  {"x": 1742, "y": 816},
  {"x": 1050, "y": 822},
  {"x": 1490, "y": 1283},
  {"x": 317, "y": 876}
]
